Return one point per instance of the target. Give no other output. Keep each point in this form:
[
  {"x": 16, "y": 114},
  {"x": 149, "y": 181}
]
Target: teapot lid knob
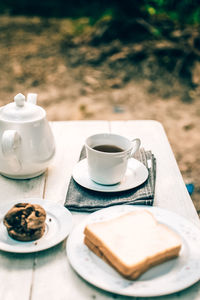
[{"x": 19, "y": 100}]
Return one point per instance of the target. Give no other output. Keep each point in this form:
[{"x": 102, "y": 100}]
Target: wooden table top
[{"x": 48, "y": 274}]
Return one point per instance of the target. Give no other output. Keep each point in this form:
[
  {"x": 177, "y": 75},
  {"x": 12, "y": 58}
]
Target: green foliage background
[{"x": 182, "y": 11}]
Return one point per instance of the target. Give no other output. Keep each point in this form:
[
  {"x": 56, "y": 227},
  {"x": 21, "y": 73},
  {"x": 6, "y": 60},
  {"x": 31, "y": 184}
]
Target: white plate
[
  {"x": 58, "y": 226},
  {"x": 166, "y": 278},
  {"x": 135, "y": 175}
]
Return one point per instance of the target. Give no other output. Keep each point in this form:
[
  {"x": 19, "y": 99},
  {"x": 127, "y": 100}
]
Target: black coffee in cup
[{"x": 108, "y": 148}]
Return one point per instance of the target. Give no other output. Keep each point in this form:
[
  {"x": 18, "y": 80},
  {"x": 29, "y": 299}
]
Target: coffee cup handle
[{"x": 135, "y": 146}]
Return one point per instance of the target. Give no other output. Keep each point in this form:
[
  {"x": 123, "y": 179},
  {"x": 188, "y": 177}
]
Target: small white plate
[
  {"x": 135, "y": 175},
  {"x": 58, "y": 226},
  {"x": 169, "y": 277}
]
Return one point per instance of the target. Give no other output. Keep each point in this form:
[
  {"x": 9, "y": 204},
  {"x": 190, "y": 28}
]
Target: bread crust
[{"x": 140, "y": 268}]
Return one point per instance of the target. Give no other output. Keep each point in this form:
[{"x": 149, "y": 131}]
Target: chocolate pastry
[{"x": 25, "y": 221}]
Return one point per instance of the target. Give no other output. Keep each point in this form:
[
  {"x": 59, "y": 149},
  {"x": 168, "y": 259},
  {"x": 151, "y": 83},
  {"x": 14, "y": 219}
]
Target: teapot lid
[{"x": 21, "y": 110}]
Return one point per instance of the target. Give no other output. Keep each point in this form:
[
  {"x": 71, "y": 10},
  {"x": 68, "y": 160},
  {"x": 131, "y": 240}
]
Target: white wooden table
[{"x": 47, "y": 274}]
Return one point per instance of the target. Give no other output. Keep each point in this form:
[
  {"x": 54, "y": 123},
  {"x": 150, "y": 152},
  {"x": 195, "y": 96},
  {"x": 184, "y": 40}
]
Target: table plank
[
  {"x": 16, "y": 271},
  {"x": 53, "y": 275}
]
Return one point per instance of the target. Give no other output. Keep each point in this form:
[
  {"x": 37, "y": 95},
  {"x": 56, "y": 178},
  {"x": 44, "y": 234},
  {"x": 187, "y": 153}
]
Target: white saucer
[
  {"x": 166, "y": 278},
  {"x": 58, "y": 226},
  {"x": 135, "y": 175}
]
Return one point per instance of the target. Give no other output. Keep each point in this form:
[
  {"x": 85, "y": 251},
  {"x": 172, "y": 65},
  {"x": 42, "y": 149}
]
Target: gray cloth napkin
[{"x": 79, "y": 198}]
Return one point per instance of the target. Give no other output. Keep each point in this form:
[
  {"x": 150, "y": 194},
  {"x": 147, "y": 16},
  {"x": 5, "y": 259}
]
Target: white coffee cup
[{"x": 105, "y": 167}]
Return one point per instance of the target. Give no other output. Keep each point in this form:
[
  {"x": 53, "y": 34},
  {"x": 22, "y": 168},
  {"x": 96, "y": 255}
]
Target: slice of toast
[{"x": 132, "y": 242}]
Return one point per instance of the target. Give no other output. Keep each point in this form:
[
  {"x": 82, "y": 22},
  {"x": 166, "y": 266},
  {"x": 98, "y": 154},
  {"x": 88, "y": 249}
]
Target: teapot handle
[{"x": 11, "y": 141}]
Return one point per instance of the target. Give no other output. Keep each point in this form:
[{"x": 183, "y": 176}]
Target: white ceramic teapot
[{"x": 26, "y": 141}]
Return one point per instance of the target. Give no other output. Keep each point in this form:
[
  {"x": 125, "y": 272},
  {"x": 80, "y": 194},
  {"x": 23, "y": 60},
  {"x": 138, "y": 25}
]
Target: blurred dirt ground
[{"x": 78, "y": 80}]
